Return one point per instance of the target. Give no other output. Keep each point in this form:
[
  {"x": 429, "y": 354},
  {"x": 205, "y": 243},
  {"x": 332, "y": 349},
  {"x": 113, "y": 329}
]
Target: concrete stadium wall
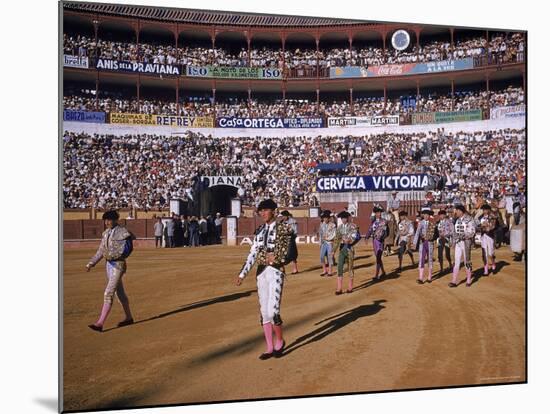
[
  {"x": 75, "y": 231},
  {"x": 86, "y": 214}
]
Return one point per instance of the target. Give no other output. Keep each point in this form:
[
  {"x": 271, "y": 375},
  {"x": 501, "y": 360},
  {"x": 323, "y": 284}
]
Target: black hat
[
  {"x": 325, "y": 214},
  {"x": 442, "y": 211},
  {"x": 427, "y": 210},
  {"x": 286, "y": 213},
  {"x": 486, "y": 207},
  {"x": 377, "y": 209},
  {"x": 460, "y": 207},
  {"x": 344, "y": 214},
  {"x": 268, "y": 204},
  {"x": 110, "y": 215}
]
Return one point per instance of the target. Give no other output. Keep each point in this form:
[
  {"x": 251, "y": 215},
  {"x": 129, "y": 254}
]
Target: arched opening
[
  {"x": 301, "y": 54},
  {"x": 369, "y": 47},
  {"x": 266, "y": 50},
  {"x": 78, "y": 36},
  {"x": 234, "y": 48},
  {"x": 334, "y": 48},
  {"x": 217, "y": 199},
  {"x": 116, "y": 41},
  {"x": 157, "y": 45}
]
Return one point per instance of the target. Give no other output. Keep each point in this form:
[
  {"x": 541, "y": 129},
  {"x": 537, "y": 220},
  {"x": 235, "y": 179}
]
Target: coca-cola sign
[
  {"x": 419, "y": 68},
  {"x": 390, "y": 70}
]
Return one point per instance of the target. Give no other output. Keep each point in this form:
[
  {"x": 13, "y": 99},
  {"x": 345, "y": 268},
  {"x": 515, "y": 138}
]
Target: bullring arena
[
  {"x": 197, "y": 338},
  {"x": 194, "y": 117}
]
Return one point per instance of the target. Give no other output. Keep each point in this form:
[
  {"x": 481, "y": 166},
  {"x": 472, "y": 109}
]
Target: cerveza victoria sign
[{"x": 373, "y": 183}]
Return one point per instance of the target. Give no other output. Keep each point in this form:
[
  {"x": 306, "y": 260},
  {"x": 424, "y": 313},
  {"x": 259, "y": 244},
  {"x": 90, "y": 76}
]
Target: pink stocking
[
  {"x": 268, "y": 333},
  {"x": 104, "y": 313},
  {"x": 278, "y": 336}
]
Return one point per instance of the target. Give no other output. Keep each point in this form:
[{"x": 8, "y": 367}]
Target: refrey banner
[
  {"x": 84, "y": 116},
  {"x": 348, "y": 72},
  {"x": 236, "y": 72},
  {"x": 372, "y": 183},
  {"x": 185, "y": 121},
  {"x": 232, "y": 122},
  {"x": 71, "y": 61},
  {"x": 363, "y": 121},
  {"x": 162, "y": 120},
  {"x": 508, "y": 111},
  {"x": 419, "y": 68},
  {"x": 137, "y": 67}
]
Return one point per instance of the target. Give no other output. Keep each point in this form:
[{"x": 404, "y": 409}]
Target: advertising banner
[
  {"x": 84, "y": 116},
  {"x": 132, "y": 119},
  {"x": 214, "y": 180},
  {"x": 458, "y": 116},
  {"x": 348, "y": 72},
  {"x": 237, "y": 72},
  {"x": 303, "y": 122},
  {"x": 443, "y": 117},
  {"x": 138, "y": 67},
  {"x": 162, "y": 120},
  {"x": 508, "y": 111},
  {"x": 363, "y": 121},
  {"x": 419, "y": 68},
  {"x": 185, "y": 121},
  {"x": 233, "y": 122},
  {"x": 423, "y": 118},
  {"x": 373, "y": 183},
  {"x": 71, "y": 61}
]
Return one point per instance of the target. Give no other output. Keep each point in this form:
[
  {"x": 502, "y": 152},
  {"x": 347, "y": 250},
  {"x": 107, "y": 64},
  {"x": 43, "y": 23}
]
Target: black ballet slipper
[
  {"x": 265, "y": 356},
  {"x": 277, "y": 353},
  {"x": 96, "y": 328},
  {"x": 126, "y": 322}
]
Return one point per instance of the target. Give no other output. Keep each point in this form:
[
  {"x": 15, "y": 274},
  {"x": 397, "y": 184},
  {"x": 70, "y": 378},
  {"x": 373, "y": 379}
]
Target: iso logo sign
[{"x": 400, "y": 40}]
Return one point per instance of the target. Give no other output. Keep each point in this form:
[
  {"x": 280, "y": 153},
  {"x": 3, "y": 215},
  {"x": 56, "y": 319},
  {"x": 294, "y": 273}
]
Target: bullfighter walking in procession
[
  {"x": 270, "y": 249},
  {"x": 327, "y": 234},
  {"x": 378, "y": 231},
  {"x": 463, "y": 238},
  {"x": 445, "y": 228},
  {"x": 405, "y": 234},
  {"x": 293, "y": 248},
  {"x": 488, "y": 224},
  {"x": 347, "y": 235},
  {"x": 115, "y": 246},
  {"x": 426, "y": 233}
]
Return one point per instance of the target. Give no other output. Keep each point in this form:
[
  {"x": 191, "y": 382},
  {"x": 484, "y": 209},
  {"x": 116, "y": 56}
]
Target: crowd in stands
[
  {"x": 504, "y": 48},
  {"x": 85, "y": 100},
  {"x": 146, "y": 170}
]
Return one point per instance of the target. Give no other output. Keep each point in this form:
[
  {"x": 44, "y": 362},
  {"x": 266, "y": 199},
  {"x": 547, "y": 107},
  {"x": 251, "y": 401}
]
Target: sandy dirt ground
[{"x": 197, "y": 336}]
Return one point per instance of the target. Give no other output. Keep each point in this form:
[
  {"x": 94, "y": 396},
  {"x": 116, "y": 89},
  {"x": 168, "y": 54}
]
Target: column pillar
[
  {"x": 385, "y": 96},
  {"x": 453, "y": 95},
  {"x": 178, "y": 95}
]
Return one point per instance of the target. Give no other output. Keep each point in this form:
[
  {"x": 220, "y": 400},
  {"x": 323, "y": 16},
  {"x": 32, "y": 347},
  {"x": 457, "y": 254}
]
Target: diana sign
[
  {"x": 372, "y": 183},
  {"x": 212, "y": 181}
]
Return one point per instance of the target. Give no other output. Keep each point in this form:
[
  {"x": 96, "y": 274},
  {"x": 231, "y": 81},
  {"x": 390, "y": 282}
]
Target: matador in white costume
[
  {"x": 115, "y": 246},
  {"x": 270, "y": 249},
  {"x": 463, "y": 238}
]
